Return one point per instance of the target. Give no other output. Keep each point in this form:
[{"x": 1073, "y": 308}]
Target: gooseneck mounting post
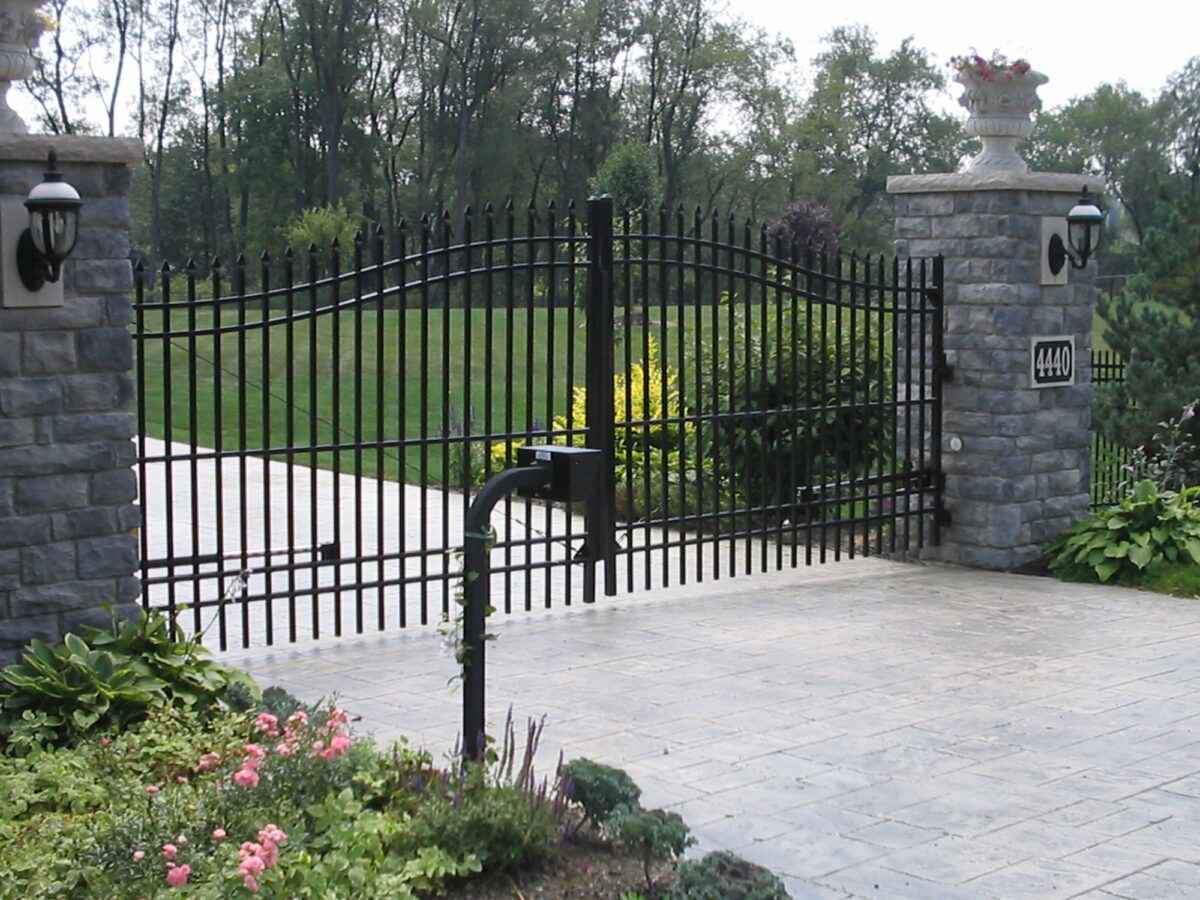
[{"x": 476, "y": 591}]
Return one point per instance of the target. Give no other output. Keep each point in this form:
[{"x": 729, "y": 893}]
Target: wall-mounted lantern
[
  {"x": 1083, "y": 236},
  {"x": 53, "y": 229}
]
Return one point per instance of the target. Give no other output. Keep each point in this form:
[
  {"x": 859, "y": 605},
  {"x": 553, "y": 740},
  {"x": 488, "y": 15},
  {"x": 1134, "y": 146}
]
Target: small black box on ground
[{"x": 574, "y": 471}]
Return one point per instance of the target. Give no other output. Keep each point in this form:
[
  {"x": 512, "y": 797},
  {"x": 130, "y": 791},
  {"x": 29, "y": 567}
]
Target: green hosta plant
[
  {"x": 104, "y": 679},
  {"x": 81, "y": 687},
  {"x": 1122, "y": 543},
  {"x": 189, "y": 678}
]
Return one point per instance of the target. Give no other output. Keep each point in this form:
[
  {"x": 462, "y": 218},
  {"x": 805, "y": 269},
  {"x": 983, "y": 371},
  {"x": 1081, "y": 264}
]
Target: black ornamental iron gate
[{"x": 311, "y": 426}]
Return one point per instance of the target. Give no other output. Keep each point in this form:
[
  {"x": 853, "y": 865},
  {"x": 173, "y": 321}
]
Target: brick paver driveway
[{"x": 868, "y": 728}]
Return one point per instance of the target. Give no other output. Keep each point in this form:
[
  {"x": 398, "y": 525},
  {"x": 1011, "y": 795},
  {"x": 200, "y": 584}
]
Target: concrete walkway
[{"x": 865, "y": 729}]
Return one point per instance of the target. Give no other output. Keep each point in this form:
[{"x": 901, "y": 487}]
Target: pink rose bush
[
  {"x": 283, "y": 763},
  {"x": 256, "y": 858}
]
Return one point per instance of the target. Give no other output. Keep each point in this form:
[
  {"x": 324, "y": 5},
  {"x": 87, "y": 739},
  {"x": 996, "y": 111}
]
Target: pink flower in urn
[{"x": 987, "y": 69}]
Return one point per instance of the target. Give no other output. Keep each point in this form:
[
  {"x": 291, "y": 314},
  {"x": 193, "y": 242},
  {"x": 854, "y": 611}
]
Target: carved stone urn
[
  {"x": 1000, "y": 109},
  {"x": 20, "y": 27}
]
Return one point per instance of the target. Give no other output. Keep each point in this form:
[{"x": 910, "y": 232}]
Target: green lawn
[{"x": 351, "y": 388}]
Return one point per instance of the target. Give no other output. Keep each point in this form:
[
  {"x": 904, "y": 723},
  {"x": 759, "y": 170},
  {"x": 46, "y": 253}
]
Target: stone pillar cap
[
  {"x": 950, "y": 182},
  {"x": 71, "y": 148}
]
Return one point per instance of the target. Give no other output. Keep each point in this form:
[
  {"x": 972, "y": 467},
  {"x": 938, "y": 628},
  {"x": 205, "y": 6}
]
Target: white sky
[
  {"x": 1143, "y": 42},
  {"x": 1077, "y": 45}
]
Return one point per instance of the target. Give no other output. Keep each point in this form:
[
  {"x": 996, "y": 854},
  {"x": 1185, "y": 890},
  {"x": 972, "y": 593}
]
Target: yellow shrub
[{"x": 653, "y": 399}]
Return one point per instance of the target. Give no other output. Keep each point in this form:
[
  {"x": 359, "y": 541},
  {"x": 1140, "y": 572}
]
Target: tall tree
[
  {"x": 870, "y": 116},
  {"x": 1155, "y": 323},
  {"x": 691, "y": 64},
  {"x": 472, "y": 53},
  {"x": 162, "y": 97},
  {"x": 1115, "y": 133}
]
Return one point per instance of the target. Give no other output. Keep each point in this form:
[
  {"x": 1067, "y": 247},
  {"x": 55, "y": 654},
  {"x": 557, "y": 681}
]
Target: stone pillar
[
  {"x": 67, "y": 488},
  {"x": 1016, "y": 456}
]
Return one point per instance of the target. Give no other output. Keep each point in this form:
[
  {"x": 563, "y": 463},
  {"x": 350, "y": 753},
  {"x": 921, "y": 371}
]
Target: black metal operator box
[{"x": 574, "y": 471}]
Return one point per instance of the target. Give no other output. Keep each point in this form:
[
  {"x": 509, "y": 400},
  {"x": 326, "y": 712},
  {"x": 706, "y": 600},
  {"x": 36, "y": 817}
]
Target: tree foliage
[
  {"x": 630, "y": 177},
  {"x": 254, "y": 111},
  {"x": 1154, "y": 322}
]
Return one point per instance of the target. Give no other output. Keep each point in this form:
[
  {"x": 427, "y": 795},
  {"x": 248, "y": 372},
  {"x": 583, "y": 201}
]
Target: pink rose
[
  {"x": 218, "y": 834},
  {"x": 245, "y": 778},
  {"x": 252, "y": 865},
  {"x": 207, "y": 761},
  {"x": 177, "y": 876},
  {"x": 169, "y": 851}
]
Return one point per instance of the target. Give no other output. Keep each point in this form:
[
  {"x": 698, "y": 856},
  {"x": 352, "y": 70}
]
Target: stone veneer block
[
  {"x": 1021, "y": 475},
  {"x": 67, "y": 516}
]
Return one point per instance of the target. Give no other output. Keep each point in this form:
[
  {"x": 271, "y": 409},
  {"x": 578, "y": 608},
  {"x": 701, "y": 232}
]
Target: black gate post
[
  {"x": 599, "y": 382},
  {"x": 940, "y": 371}
]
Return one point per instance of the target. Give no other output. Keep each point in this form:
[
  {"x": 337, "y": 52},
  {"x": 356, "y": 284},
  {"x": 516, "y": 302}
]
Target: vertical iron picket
[
  {"x": 289, "y": 433},
  {"x": 402, "y": 442},
  {"x": 264, "y": 326}
]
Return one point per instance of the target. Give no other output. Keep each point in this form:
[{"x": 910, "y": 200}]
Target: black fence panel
[
  {"x": 1112, "y": 464},
  {"x": 312, "y": 426}
]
